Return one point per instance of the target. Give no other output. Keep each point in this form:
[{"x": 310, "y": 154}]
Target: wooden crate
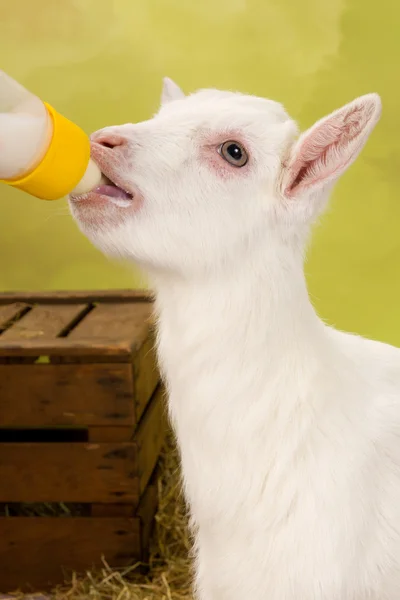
[{"x": 81, "y": 426}]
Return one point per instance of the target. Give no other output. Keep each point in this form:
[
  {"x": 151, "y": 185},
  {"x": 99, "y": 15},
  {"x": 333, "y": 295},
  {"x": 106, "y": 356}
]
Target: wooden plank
[
  {"x": 68, "y": 472},
  {"x": 77, "y": 296},
  {"x": 45, "y": 321},
  {"x": 59, "y": 347},
  {"x": 57, "y": 395},
  {"x": 146, "y": 374},
  {"x": 150, "y": 437},
  {"x": 112, "y": 510},
  {"x": 36, "y": 553},
  {"x": 12, "y": 311},
  {"x": 110, "y": 434},
  {"x": 146, "y": 512},
  {"x": 116, "y": 322}
]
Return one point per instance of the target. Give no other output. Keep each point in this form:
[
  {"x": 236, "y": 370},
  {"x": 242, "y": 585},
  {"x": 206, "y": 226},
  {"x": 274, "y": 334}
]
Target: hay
[{"x": 169, "y": 576}]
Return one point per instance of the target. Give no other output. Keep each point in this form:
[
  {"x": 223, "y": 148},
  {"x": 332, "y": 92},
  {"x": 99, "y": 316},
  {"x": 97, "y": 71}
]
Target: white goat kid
[{"x": 289, "y": 431}]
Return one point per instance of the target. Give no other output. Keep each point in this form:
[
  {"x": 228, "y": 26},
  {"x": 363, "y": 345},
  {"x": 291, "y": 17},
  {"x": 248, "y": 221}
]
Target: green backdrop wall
[{"x": 100, "y": 62}]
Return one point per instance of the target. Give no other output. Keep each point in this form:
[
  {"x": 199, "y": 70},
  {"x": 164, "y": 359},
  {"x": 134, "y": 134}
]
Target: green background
[{"x": 100, "y": 62}]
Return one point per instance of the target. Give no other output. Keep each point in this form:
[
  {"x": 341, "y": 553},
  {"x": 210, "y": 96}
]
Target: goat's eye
[{"x": 234, "y": 153}]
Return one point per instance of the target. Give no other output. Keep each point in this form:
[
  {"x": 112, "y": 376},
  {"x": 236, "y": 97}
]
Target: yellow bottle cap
[{"x": 63, "y": 165}]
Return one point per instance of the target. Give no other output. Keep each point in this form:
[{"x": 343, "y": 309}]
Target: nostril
[{"x": 110, "y": 141}]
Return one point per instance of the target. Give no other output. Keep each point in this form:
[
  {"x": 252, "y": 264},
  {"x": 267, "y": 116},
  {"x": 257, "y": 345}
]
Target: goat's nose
[{"x": 109, "y": 140}]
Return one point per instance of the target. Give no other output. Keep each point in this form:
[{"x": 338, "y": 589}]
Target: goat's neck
[
  {"x": 214, "y": 332},
  {"x": 239, "y": 355}
]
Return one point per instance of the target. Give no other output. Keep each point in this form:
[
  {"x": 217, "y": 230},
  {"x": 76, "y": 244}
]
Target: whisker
[{"x": 59, "y": 213}]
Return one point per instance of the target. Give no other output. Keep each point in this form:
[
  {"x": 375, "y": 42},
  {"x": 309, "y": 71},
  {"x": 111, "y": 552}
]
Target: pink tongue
[{"x": 113, "y": 191}]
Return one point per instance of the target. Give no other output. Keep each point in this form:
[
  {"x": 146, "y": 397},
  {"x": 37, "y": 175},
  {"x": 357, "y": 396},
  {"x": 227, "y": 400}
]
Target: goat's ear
[
  {"x": 325, "y": 151},
  {"x": 170, "y": 91}
]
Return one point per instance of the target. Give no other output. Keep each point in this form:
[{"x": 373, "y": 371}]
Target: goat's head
[{"x": 214, "y": 176}]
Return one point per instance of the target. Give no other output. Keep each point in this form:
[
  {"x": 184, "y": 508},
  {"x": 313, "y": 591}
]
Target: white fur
[{"x": 289, "y": 431}]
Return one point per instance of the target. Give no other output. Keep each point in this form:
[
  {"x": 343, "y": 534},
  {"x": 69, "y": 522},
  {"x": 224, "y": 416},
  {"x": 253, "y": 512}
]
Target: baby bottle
[{"x": 41, "y": 152}]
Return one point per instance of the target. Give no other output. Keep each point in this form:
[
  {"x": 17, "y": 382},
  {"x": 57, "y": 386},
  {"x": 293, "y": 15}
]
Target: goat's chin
[
  {"x": 114, "y": 238},
  {"x": 100, "y": 212}
]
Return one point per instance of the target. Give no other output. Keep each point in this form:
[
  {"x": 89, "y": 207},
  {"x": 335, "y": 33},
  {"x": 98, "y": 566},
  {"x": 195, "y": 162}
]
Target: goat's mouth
[
  {"x": 114, "y": 192},
  {"x": 107, "y": 191}
]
